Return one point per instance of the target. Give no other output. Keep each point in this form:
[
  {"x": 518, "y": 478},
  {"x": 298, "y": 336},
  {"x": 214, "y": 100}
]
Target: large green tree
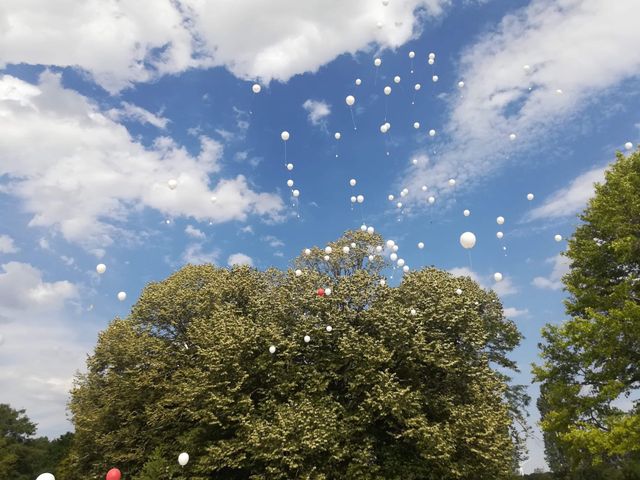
[
  {"x": 393, "y": 383},
  {"x": 592, "y": 361}
]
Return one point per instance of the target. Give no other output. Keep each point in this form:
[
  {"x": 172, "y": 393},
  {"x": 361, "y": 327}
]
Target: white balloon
[
  {"x": 382, "y": 282},
  {"x": 467, "y": 240},
  {"x": 420, "y": 245},
  {"x": 417, "y": 87},
  {"x": 101, "y": 268},
  {"x": 284, "y": 135},
  {"x": 452, "y": 182},
  {"x": 256, "y": 88},
  {"x": 414, "y": 161},
  {"x": 387, "y": 90},
  {"x": 337, "y": 135},
  {"x": 363, "y": 227},
  {"x": 358, "y": 81},
  {"x": 46, "y": 476},
  {"x": 390, "y": 243},
  {"x": 272, "y": 350},
  {"x": 526, "y": 68},
  {"x": 383, "y": 128},
  {"x": 377, "y": 62},
  {"x": 213, "y": 199},
  {"x": 497, "y": 277},
  {"x": 296, "y": 193},
  {"x": 328, "y": 250},
  {"x": 500, "y": 220},
  {"x": 400, "y": 262},
  {"x": 353, "y": 199},
  {"x": 353, "y": 244},
  {"x": 327, "y": 291},
  {"x": 173, "y": 183},
  {"x": 371, "y": 257},
  {"x": 289, "y": 166},
  {"x": 405, "y": 269},
  {"x": 395, "y": 248},
  {"x": 350, "y": 100},
  {"x": 434, "y": 78},
  {"x": 379, "y": 249},
  {"x": 413, "y": 312},
  {"x": 424, "y": 188},
  {"x": 460, "y": 84},
  {"x": 431, "y": 61},
  {"x": 298, "y": 272},
  {"x": 345, "y": 249},
  {"x": 432, "y": 55},
  {"x": 370, "y": 230},
  {"x": 122, "y": 296},
  {"x": 326, "y": 258},
  {"x": 396, "y": 79},
  {"x": 329, "y": 328},
  {"x": 388, "y": 125},
  {"x": 530, "y": 196},
  {"x": 628, "y": 145},
  {"x": 512, "y": 136},
  {"x": 404, "y": 193},
  {"x": 558, "y": 238},
  {"x": 183, "y": 458},
  {"x": 412, "y": 54},
  {"x": 393, "y": 257},
  {"x": 432, "y": 133},
  {"x": 360, "y": 198},
  {"x": 466, "y": 213},
  {"x": 399, "y": 205},
  {"x": 559, "y": 91},
  {"x": 307, "y": 339},
  {"x": 499, "y": 235},
  {"x": 289, "y": 183},
  {"x": 391, "y": 197},
  {"x": 352, "y": 182},
  {"x": 432, "y": 200},
  {"x": 416, "y": 125},
  {"x": 458, "y": 291},
  {"x": 307, "y": 251}
]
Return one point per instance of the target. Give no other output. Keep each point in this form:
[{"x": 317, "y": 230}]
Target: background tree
[
  {"x": 394, "y": 383},
  {"x": 592, "y": 361}
]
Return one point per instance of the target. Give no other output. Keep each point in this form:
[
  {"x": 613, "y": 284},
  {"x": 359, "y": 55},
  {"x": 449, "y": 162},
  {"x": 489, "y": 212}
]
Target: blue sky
[{"x": 107, "y": 104}]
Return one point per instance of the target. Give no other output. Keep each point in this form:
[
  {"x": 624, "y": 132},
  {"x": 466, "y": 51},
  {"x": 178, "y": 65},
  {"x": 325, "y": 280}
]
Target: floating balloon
[
  {"x": 378, "y": 249},
  {"x": 327, "y": 291},
  {"x": 414, "y": 161},
  {"x": 353, "y": 199},
  {"x": 431, "y": 200},
  {"x": 432, "y": 133},
  {"x": 434, "y": 78},
  {"x": 285, "y": 135},
  {"x": 298, "y": 272},
  {"x": 396, "y": 79},
  {"x": 350, "y": 100},
  {"x": 289, "y": 183},
  {"x": 390, "y": 243},
  {"x": 431, "y": 61},
  {"x": 122, "y": 296},
  {"x": 413, "y": 312},
  {"x": 512, "y": 136},
  {"x": 526, "y": 68},
  {"x": 329, "y": 328},
  {"x": 530, "y": 196},
  {"x": 417, "y": 87},
  {"x": 183, "y": 458},
  {"x": 499, "y": 235},
  {"x": 353, "y": 244},
  {"x": 377, "y": 62},
  {"x": 400, "y": 262},
  {"x": 420, "y": 245},
  {"x": 328, "y": 250},
  {"x": 360, "y": 198},
  {"x": 500, "y": 220},
  {"x": 393, "y": 257},
  {"x": 416, "y": 125},
  {"x": 460, "y": 84},
  {"x": 424, "y": 188},
  {"x": 559, "y": 91},
  {"x": 497, "y": 277},
  {"x": 173, "y": 183},
  {"x": 384, "y": 128},
  {"x": 307, "y": 339},
  {"x": 352, "y": 182},
  {"x": 467, "y": 240},
  {"x": 382, "y": 282},
  {"x": 337, "y": 136},
  {"x": 272, "y": 350},
  {"x": 307, "y": 251},
  {"x": 387, "y": 90},
  {"x": 256, "y": 88},
  {"x": 395, "y": 248},
  {"x": 363, "y": 227},
  {"x": 628, "y": 145},
  {"x": 101, "y": 268},
  {"x": 326, "y": 258},
  {"x": 320, "y": 292},
  {"x": 46, "y": 476},
  {"x": 390, "y": 198},
  {"x": 296, "y": 193},
  {"x": 405, "y": 269},
  {"x": 358, "y": 81},
  {"x": 289, "y": 166},
  {"x": 114, "y": 474},
  {"x": 412, "y": 54},
  {"x": 213, "y": 199},
  {"x": 432, "y": 55},
  {"x": 558, "y": 238},
  {"x": 466, "y": 213},
  {"x": 399, "y": 204},
  {"x": 458, "y": 291},
  {"x": 370, "y": 230},
  {"x": 452, "y": 182},
  {"x": 345, "y": 249}
]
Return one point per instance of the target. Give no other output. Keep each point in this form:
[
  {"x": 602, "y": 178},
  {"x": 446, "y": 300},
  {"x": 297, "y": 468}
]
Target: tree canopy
[
  {"x": 591, "y": 371},
  {"x": 367, "y": 382}
]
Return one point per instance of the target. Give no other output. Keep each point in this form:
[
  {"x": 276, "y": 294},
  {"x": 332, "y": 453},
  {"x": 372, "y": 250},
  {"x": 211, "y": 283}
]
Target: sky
[{"x": 103, "y": 103}]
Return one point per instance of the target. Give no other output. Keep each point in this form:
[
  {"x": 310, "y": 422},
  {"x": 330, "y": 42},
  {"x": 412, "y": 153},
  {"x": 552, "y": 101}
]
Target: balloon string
[
  {"x": 353, "y": 120},
  {"x": 375, "y": 77},
  {"x": 412, "y": 65},
  {"x": 285, "y": 154},
  {"x": 470, "y": 264},
  {"x": 386, "y": 107},
  {"x": 413, "y": 101}
]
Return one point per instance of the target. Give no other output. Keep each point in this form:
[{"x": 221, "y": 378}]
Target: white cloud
[
  {"x": 317, "y": 110},
  {"x": 137, "y": 114},
  {"x": 7, "y": 245},
  {"x": 239, "y": 259},
  {"x": 466, "y": 272},
  {"x": 554, "y": 280},
  {"x": 274, "y": 242},
  {"x": 23, "y": 291},
  {"x": 81, "y": 173},
  {"x": 195, "y": 255},
  {"x": 194, "y": 232},
  {"x": 119, "y": 43},
  {"x": 558, "y": 39},
  {"x": 502, "y": 288},
  {"x": 571, "y": 199},
  {"x": 512, "y": 312}
]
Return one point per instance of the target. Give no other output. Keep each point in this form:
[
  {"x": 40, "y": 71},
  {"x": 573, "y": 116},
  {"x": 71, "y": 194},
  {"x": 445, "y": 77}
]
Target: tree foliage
[
  {"x": 591, "y": 369},
  {"x": 404, "y": 386}
]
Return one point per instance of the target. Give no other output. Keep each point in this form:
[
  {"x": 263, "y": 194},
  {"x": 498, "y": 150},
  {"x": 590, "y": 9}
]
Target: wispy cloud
[
  {"x": 7, "y": 244},
  {"x": 554, "y": 280},
  {"x": 138, "y": 114},
  {"x": 317, "y": 111},
  {"x": 239, "y": 259}
]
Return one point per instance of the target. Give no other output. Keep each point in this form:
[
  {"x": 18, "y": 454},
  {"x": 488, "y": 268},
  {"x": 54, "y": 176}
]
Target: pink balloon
[{"x": 114, "y": 474}]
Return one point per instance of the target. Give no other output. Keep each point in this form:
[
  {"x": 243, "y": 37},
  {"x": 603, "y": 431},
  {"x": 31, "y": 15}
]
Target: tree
[
  {"x": 592, "y": 361},
  {"x": 401, "y": 385}
]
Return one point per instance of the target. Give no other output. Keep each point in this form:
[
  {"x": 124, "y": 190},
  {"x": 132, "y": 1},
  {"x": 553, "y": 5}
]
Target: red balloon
[
  {"x": 114, "y": 474},
  {"x": 321, "y": 292}
]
